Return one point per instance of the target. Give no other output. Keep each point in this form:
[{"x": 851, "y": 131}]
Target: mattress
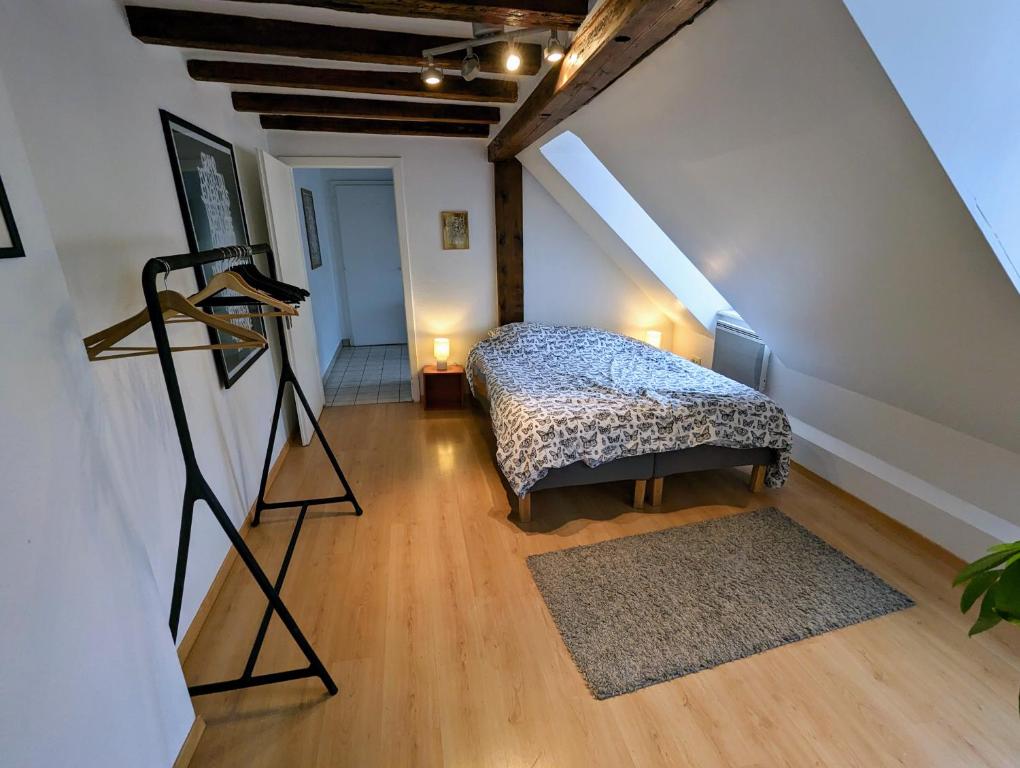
[{"x": 558, "y": 395}]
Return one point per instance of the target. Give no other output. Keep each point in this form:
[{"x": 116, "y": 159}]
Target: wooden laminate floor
[{"x": 426, "y": 615}]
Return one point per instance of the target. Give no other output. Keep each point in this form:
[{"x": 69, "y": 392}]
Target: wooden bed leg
[
  {"x": 657, "y": 484},
  {"x": 757, "y": 478},
  {"x": 639, "y": 493},
  {"x": 524, "y": 508}
]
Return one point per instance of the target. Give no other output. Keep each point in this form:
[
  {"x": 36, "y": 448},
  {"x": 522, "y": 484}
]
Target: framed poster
[
  {"x": 311, "y": 228},
  {"x": 455, "y": 231},
  {"x": 205, "y": 175},
  {"x": 10, "y": 241}
]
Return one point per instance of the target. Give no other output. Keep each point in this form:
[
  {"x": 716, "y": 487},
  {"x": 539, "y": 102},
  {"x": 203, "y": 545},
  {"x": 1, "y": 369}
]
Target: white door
[
  {"x": 367, "y": 216},
  {"x": 285, "y": 238}
]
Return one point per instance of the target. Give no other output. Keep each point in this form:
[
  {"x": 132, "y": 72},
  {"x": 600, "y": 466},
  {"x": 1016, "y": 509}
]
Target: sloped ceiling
[{"x": 770, "y": 146}]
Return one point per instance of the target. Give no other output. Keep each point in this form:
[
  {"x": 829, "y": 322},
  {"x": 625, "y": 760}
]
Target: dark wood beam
[
  {"x": 482, "y": 89},
  {"x": 389, "y": 127},
  {"x": 246, "y": 34},
  {"x": 372, "y": 109},
  {"x": 558, "y": 14},
  {"x": 509, "y": 185},
  {"x": 615, "y": 37}
]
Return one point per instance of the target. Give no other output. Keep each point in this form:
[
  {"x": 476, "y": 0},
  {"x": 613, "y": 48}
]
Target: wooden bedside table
[{"x": 442, "y": 389}]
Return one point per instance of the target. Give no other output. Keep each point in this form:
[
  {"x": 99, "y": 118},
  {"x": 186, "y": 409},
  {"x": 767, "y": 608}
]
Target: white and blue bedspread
[{"x": 558, "y": 395}]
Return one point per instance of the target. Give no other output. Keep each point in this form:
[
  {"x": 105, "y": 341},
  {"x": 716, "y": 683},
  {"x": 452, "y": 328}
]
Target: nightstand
[{"x": 442, "y": 389}]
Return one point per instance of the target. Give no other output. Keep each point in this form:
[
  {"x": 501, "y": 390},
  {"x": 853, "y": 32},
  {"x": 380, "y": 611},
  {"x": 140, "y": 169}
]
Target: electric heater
[{"x": 739, "y": 352}]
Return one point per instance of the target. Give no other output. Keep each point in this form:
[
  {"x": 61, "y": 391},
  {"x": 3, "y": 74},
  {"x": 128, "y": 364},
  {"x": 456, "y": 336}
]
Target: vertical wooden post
[
  {"x": 639, "y": 493},
  {"x": 509, "y": 188},
  {"x": 524, "y": 508},
  {"x": 657, "y": 491},
  {"x": 757, "y": 481}
]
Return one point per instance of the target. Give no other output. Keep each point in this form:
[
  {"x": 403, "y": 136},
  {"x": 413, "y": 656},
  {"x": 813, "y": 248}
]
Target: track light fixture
[
  {"x": 554, "y": 48},
  {"x": 469, "y": 69},
  {"x": 513, "y": 58},
  {"x": 431, "y": 74}
]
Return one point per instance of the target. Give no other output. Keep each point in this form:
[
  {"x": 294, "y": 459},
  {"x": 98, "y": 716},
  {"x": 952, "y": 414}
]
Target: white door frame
[{"x": 395, "y": 164}]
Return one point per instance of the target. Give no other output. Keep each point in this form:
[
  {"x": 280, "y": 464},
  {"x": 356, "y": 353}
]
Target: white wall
[
  {"x": 86, "y": 95},
  {"x": 453, "y": 293},
  {"x": 90, "y": 675},
  {"x": 569, "y": 280},
  {"x": 324, "y": 282},
  {"x": 957, "y": 74},
  {"x": 767, "y": 141}
]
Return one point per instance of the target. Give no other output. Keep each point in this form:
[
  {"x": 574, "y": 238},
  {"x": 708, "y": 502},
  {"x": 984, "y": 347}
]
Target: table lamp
[{"x": 441, "y": 349}]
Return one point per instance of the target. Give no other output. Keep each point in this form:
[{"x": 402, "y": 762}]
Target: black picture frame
[
  {"x": 311, "y": 228},
  {"x": 219, "y": 170},
  {"x": 16, "y": 249}
]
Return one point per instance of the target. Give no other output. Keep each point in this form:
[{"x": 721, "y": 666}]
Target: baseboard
[
  {"x": 190, "y": 743},
  {"x": 951, "y": 523},
  {"x": 937, "y": 551},
  {"x": 188, "y": 641}
]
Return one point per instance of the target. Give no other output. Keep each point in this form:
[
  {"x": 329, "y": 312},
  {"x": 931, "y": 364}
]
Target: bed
[{"x": 575, "y": 406}]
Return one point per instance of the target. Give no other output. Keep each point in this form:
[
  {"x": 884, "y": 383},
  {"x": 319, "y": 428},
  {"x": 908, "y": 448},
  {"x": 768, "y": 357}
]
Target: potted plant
[{"x": 995, "y": 580}]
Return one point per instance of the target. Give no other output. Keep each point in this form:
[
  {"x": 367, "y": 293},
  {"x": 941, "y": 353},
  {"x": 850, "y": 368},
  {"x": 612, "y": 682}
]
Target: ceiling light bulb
[
  {"x": 432, "y": 75},
  {"x": 513, "y": 59},
  {"x": 554, "y": 49},
  {"x": 469, "y": 69}
]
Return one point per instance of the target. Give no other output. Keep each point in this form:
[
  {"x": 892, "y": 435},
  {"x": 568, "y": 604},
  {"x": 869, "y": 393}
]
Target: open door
[{"x": 285, "y": 238}]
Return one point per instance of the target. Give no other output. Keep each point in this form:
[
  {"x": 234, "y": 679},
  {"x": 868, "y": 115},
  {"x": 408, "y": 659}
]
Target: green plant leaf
[
  {"x": 1009, "y": 546},
  {"x": 981, "y": 565},
  {"x": 987, "y": 618},
  {"x": 1006, "y": 593},
  {"x": 977, "y": 587}
]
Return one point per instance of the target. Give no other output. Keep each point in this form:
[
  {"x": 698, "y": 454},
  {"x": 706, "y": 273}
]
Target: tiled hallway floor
[{"x": 362, "y": 375}]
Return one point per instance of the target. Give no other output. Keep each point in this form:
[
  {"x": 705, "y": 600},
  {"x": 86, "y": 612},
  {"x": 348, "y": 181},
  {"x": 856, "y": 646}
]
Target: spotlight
[
  {"x": 513, "y": 58},
  {"x": 554, "y": 48},
  {"x": 431, "y": 74},
  {"x": 469, "y": 69}
]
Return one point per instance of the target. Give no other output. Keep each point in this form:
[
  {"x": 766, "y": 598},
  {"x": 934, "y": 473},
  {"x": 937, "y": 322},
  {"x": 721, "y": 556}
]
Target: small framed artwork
[
  {"x": 10, "y": 241},
  {"x": 311, "y": 228},
  {"x": 209, "y": 193},
  {"x": 455, "y": 231}
]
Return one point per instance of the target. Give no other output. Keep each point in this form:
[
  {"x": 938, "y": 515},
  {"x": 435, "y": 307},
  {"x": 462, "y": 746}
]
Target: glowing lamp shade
[
  {"x": 513, "y": 60},
  {"x": 441, "y": 349},
  {"x": 654, "y": 338}
]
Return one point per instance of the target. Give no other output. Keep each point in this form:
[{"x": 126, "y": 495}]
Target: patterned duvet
[{"x": 559, "y": 395}]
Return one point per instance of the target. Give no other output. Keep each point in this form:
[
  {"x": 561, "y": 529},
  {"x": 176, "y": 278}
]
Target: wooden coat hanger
[{"x": 99, "y": 345}]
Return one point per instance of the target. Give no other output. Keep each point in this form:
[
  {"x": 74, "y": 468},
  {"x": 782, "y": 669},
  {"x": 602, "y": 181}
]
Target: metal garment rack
[{"x": 197, "y": 488}]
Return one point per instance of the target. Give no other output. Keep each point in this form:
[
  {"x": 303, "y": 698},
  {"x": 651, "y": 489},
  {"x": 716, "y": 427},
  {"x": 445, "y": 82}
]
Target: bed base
[
  {"x": 648, "y": 472},
  {"x": 638, "y": 502}
]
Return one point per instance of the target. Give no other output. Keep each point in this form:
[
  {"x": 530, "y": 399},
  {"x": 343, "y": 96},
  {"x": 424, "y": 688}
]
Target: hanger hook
[{"x": 166, "y": 273}]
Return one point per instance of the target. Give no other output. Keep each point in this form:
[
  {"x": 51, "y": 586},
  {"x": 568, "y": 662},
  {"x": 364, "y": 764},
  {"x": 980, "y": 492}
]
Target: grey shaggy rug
[{"x": 649, "y": 608}]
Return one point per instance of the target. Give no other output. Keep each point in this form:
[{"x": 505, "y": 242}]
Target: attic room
[{"x": 510, "y": 383}]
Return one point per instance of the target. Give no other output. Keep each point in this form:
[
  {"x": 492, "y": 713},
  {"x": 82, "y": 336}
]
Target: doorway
[
  {"x": 352, "y": 233},
  {"x": 367, "y": 247}
]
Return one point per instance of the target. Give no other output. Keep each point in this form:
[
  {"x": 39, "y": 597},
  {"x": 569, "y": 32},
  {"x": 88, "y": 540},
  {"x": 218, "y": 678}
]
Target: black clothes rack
[{"x": 197, "y": 488}]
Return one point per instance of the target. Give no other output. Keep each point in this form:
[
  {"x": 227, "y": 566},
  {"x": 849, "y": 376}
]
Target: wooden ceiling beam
[
  {"x": 482, "y": 89},
  {"x": 389, "y": 127},
  {"x": 558, "y": 14},
  {"x": 615, "y": 37},
  {"x": 246, "y": 34},
  {"x": 372, "y": 109}
]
